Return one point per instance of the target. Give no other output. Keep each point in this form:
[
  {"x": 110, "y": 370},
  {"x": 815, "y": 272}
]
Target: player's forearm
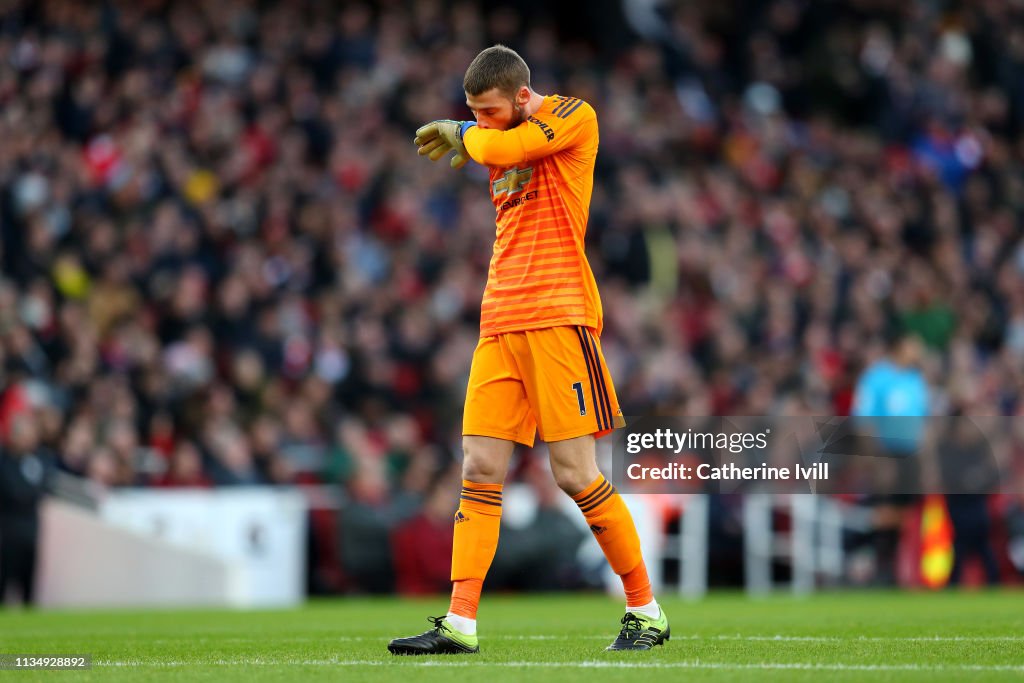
[{"x": 490, "y": 147}]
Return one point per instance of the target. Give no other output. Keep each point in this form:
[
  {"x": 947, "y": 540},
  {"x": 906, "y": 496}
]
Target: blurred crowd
[{"x": 223, "y": 262}]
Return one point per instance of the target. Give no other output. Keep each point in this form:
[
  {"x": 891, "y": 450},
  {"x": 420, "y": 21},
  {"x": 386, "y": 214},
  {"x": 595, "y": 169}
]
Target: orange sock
[
  {"x": 475, "y": 541},
  {"x": 615, "y": 531}
]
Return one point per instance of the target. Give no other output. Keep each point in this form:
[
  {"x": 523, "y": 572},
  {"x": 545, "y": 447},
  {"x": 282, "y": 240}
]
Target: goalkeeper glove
[{"x": 437, "y": 138}]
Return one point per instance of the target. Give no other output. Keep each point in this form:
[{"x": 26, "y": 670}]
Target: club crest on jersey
[{"x": 512, "y": 182}]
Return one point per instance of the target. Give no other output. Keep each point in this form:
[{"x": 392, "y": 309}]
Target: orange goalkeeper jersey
[{"x": 542, "y": 176}]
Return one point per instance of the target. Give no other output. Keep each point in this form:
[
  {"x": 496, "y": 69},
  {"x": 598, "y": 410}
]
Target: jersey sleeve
[{"x": 541, "y": 135}]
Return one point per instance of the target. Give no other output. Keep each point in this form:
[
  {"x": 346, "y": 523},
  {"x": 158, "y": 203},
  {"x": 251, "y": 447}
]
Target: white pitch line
[
  {"x": 855, "y": 639},
  {"x": 328, "y": 638},
  {"x": 693, "y": 664},
  {"x": 783, "y": 639},
  {"x": 689, "y": 636}
]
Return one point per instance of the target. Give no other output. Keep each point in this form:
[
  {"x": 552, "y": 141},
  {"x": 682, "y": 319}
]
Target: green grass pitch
[{"x": 726, "y": 637}]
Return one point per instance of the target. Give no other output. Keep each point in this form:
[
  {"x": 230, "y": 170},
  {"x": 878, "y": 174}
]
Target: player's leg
[
  {"x": 573, "y": 462},
  {"x": 572, "y": 395},
  {"x": 485, "y": 462},
  {"x": 475, "y": 540},
  {"x": 496, "y": 416}
]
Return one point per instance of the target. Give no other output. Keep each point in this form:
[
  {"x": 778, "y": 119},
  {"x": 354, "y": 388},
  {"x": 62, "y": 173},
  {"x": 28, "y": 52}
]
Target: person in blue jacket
[{"x": 892, "y": 400}]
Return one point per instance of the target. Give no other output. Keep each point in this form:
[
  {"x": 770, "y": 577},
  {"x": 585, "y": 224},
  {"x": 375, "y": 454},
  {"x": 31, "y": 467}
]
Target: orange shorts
[{"x": 553, "y": 380}]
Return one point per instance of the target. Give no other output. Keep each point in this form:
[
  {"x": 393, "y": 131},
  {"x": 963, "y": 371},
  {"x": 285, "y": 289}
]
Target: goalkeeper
[{"x": 538, "y": 366}]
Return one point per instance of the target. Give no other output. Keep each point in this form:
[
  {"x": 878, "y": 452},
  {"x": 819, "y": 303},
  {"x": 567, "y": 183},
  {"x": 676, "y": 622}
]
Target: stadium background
[{"x": 224, "y": 265}]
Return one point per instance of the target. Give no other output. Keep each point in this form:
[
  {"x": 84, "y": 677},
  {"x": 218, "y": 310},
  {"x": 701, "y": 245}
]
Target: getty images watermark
[
  {"x": 870, "y": 456},
  {"x": 666, "y": 440}
]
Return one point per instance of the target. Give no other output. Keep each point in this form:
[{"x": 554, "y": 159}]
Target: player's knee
[
  {"x": 480, "y": 469},
  {"x": 571, "y": 479}
]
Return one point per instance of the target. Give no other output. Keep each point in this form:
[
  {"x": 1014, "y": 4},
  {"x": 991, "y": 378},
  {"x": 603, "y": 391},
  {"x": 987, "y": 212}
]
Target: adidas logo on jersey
[
  {"x": 460, "y": 518},
  {"x": 598, "y": 530}
]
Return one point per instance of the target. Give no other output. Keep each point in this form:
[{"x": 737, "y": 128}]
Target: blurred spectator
[
  {"x": 891, "y": 401},
  {"x": 422, "y": 545},
  {"x": 25, "y": 470},
  {"x": 1015, "y": 540},
  {"x": 185, "y": 468},
  {"x": 538, "y": 551},
  {"x": 970, "y": 474}
]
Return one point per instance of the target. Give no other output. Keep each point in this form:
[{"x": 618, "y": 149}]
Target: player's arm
[{"x": 539, "y": 136}]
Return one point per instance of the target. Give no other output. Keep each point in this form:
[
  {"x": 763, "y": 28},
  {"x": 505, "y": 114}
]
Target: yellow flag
[{"x": 936, "y": 542}]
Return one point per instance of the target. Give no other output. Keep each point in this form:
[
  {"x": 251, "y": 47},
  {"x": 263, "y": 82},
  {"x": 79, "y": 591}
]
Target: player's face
[{"x": 495, "y": 109}]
